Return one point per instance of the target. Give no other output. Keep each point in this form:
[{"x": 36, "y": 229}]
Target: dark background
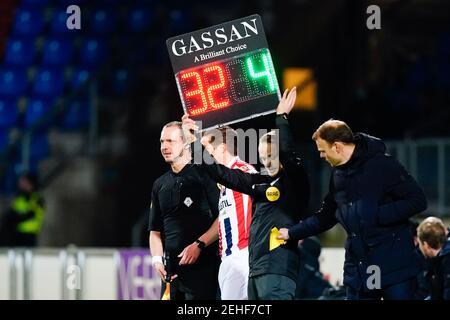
[{"x": 392, "y": 83}]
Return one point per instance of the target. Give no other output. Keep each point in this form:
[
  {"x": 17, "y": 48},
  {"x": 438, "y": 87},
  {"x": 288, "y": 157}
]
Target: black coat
[
  {"x": 371, "y": 196},
  {"x": 423, "y": 284},
  {"x": 439, "y": 274}
]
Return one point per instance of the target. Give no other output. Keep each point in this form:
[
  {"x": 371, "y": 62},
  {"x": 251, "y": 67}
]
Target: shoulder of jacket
[
  {"x": 379, "y": 159},
  {"x": 160, "y": 179}
]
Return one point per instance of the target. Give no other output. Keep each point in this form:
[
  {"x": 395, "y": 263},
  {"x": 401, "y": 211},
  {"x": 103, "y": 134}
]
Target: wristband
[
  {"x": 157, "y": 259},
  {"x": 284, "y": 115}
]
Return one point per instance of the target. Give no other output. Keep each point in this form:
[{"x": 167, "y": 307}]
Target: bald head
[
  {"x": 334, "y": 140},
  {"x": 333, "y": 131}
]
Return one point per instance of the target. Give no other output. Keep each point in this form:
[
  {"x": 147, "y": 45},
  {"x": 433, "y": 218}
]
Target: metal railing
[{"x": 428, "y": 162}]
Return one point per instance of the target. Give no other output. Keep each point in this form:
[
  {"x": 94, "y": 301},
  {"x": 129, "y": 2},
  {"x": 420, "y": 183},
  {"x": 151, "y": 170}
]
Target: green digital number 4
[{"x": 265, "y": 73}]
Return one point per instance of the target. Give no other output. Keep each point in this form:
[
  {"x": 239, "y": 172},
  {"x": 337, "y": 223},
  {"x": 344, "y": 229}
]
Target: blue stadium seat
[
  {"x": 8, "y": 113},
  {"x": 58, "y": 22},
  {"x": 121, "y": 81},
  {"x": 179, "y": 22},
  {"x": 76, "y": 115},
  {"x": 20, "y": 51},
  {"x": 9, "y": 180},
  {"x": 70, "y": 2},
  {"x": 13, "y": 82},
  {"x": 57, "y": 51},
  {"x": 34, "y": 3},
  {"x": 28, "y": 22},
  {"x": 79, "y": 78},
  {"x": 102, "y": 21},
  {"x": 39, "y": 148},
  {"x": 36, "y": 109},
  {"x": 48, "y": 82},
  {"x": 139, "y": 19},
  {"x": 92, "y": 52}
]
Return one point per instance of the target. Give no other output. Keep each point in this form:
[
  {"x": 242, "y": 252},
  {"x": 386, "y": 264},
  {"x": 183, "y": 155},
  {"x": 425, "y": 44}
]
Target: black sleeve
[
  {"x": 408, "y": 198},
  {"x": 292, "y": 162},
  {"x": 212, "y": 195},
  {"x": 321, "y": 221},
  {"x": 446, "y": 277},
  {"x": 232, "y": 178},
  {"x": 155, "y": 222}
]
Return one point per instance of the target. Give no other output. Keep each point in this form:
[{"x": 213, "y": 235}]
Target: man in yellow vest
[{"x": 24, "y": 218}]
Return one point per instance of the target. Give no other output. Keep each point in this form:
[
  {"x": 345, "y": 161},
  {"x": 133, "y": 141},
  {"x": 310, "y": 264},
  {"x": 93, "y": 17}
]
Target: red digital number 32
[{"x": 209, "y": 90}]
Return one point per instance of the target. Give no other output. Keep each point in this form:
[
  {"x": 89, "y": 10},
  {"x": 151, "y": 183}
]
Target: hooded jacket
[{"x": 371, "y": 196}]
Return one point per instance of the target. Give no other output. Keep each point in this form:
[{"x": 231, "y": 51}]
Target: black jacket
[
  {"x": 439, "y": 274},
  {"x": 183, "y": 207},
  {"x": 423, "y": 284},
  {"x": 293, "y": 186},
  {"x": 371, "y": 196}
]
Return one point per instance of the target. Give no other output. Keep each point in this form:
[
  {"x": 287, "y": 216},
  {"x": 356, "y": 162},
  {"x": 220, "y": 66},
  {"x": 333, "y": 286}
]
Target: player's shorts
[{"x": 233, "y": 276}]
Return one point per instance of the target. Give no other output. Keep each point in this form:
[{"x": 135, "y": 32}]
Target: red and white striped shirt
[{"x": 235, "y": 214}]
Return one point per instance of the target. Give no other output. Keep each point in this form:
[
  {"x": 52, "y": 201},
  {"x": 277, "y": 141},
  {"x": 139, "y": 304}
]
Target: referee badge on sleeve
[{"x": 188, "y": 201}]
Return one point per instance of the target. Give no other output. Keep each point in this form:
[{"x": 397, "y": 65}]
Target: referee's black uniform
[
  {"x": 278, "y": 201},
  {"x": 184, "y": 205}
]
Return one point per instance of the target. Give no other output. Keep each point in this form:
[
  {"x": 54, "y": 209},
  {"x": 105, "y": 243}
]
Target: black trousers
[
  {"x": 271, "y": 287},
  {"x": 208, "y": 291}
]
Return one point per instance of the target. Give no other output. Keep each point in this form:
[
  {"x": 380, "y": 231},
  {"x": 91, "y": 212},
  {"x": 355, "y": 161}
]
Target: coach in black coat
[{"x": 372, "y": 196}]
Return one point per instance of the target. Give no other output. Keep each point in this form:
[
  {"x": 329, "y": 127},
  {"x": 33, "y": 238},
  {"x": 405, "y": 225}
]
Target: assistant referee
[{"x": 279, "y": 200}]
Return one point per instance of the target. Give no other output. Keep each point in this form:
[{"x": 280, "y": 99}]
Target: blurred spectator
[
  {"x": 311, "y": 283},
  {"x": 423, "y": 287},
  {"x": 22, "y": 222},
  {"x": 435, "y": 246}
]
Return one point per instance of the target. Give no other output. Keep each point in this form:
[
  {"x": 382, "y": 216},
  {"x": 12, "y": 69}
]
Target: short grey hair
[{"x": 177, "y": 124}]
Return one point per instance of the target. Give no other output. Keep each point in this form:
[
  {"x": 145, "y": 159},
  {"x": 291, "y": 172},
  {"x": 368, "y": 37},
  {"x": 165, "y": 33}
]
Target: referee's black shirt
[{"x": 183, "y": 207}]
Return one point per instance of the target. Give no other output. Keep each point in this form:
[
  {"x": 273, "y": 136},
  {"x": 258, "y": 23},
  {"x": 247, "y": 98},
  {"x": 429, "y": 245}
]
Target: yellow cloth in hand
[{"x": 274, "y": 242}]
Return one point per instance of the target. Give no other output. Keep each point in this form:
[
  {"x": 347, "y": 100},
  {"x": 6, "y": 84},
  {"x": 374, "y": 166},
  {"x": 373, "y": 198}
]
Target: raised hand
[
  {"x": 287, "y": 101},
  {"x": 189, "y": 128}
]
